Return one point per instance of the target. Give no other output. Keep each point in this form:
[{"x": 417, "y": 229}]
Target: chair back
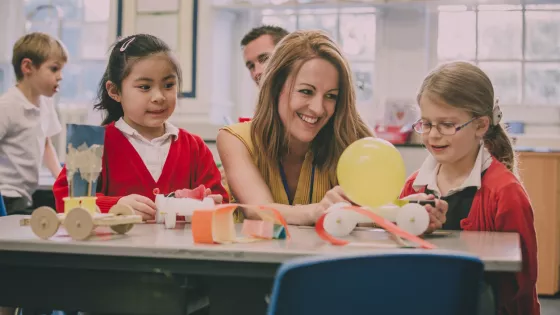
[
  {"x": 395, "y": 283},
  {"x": 2, "y": 207}
]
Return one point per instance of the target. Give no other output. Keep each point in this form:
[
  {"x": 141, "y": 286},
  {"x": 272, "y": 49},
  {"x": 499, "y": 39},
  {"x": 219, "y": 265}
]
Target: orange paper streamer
[
  {"x": 380, "y": 221},
  {"x": 216, "y": 226}
]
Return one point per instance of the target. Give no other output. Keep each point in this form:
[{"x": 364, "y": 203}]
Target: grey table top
[{"x": 498, "y": 251}]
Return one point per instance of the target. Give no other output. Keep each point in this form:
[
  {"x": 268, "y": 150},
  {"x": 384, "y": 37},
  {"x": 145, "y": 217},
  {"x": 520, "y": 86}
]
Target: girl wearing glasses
[{"x": 472, "y": 166}]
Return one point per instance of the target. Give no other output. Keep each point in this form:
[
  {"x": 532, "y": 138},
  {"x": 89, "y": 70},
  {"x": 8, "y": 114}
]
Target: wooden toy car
[{"x": 80, "y": 220}]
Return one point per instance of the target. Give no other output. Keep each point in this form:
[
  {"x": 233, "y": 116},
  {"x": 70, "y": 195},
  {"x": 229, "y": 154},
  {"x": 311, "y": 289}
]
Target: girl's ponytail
[{"x": 499, "y": 144}]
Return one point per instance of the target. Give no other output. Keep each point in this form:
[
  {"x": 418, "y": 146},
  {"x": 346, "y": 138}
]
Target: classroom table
[{"x": 155, "y": 270}]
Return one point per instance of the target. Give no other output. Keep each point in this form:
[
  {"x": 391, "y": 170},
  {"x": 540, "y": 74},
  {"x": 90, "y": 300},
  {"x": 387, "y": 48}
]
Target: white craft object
[
  {"x": 339, "y": 222},
  {"x": 412, "y": 218},
  {"x": 168, "y": 208}
]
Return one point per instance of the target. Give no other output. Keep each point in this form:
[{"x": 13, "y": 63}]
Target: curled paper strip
[
  {"x": 216, "y": 226},
  {"x": 339, "y": 214}
]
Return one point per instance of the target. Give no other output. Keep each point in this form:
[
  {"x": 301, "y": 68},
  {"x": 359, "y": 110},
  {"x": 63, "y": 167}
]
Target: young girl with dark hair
[{"x": 143, "y": 151}]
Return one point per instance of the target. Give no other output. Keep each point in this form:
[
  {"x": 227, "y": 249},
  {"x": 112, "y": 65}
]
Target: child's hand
[
  {"x": 218, "y": 199},
  {"x": 143, "y": 206},
  {"x": 437, "y": 214}
]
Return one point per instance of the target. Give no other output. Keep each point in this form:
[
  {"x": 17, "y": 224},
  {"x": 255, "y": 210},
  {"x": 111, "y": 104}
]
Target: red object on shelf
[
  {"x": 244, "y": 119},
  {"x": 393, "y": 134}
]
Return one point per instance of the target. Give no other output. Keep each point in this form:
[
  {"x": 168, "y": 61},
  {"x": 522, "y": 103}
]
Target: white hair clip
[
  {"x": 125, "y": 45},
  {"x": 496, "y": 113}
]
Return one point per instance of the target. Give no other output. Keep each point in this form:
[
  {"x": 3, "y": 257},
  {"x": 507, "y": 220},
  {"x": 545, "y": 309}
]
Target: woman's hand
[
  {"x": 333, "y": 196},
  {"x": 141, "y": 205},
  {"x": 311, "y": 213}
]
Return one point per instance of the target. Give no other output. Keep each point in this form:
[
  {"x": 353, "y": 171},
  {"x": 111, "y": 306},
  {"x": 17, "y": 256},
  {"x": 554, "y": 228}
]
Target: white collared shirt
[
  {"x": 153, "y": 152},
  {"x": 427, "y": 175},
  {"x": 24, "y": 129}
]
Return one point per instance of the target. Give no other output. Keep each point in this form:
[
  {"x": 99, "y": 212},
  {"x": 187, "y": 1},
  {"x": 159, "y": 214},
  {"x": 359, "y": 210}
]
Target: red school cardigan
[
  {"x": 502, "y": 205},
  {"x": 189, "y": 164}
]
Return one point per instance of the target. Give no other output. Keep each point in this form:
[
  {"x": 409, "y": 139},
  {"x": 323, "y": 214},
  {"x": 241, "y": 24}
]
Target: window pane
[
  {"x": 2, "y": 81},
  {"x": 325, "y": 22},
  {"x": 49, "y": 26},
  {"x": 288, "y": 22},
  {"x": 499, "y": 34},
  {"x": 543, "y": 35},
  {"x": 456, "y": 35},
  {"x": 542, "y": 83},
  {"x": 357, "y": 10},
  {"x": 363, "y": 80},
  {"x": 91, "y": 75},
  {"x": 31, "y": 7},
  {"x": 357, "y": 35},
  {"x": 96, "y": 10},
  {"x": 506, "y": 78},
  {"x": 542, "y": 7},
  {"x": 70, "y": 84},
  {"x": 72, "y": 9},
  {"x": 498, "y": 7},
  {"x": 94, "y": 41},
  {"x": 71, "y": 36},
  {"x": 452, "y": 8}
]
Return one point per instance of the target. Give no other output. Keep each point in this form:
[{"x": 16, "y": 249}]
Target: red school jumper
[
  {"x": 502, "y": 205},
  {"x": 189, "y": 164}
]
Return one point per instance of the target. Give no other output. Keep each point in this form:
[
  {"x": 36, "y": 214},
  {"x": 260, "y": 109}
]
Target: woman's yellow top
[{"x": 321, "y": 181}]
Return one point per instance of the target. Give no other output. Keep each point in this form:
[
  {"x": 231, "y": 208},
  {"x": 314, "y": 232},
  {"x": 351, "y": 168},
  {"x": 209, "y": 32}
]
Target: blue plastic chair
[
  {"x": 395, "y": 283},
  {"x": 2, "y": 207}
]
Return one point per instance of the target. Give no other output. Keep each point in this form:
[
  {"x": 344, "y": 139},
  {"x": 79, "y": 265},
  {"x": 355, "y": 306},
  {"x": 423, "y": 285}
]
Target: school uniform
[
  {"x": 490, "y": 199},
  {"x": 24, "y": 129},
  {"x": 132, "y": 164}
]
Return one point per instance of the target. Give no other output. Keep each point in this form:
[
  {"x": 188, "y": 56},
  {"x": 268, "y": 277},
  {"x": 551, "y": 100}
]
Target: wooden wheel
[
  {"x": 44, "y": 222},
  {"x": 121, "y": 210},
  {"x": 79, "y": 224}
]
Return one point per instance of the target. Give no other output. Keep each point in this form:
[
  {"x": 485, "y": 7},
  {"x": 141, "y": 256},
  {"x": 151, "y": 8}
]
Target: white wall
[{"x": 12, "y": 26}]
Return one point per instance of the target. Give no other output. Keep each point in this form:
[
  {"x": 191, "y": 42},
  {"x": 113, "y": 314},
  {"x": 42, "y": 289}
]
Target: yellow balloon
[{"x": 371, "y": 172}]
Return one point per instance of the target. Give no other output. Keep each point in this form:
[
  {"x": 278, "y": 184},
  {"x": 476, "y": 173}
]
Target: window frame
[
  {"x": 523, "y": 60},
  {"x": 82, "y": 62},
  {"x": 298, "y": 11}
]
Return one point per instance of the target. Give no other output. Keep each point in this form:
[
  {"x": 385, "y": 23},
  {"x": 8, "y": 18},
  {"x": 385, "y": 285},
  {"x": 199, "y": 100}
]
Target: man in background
[{"x": 258, "y": 45}]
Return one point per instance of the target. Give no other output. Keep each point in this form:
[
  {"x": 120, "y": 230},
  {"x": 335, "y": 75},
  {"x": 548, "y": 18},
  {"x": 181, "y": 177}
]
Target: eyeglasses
[{"x": 445, "y": 129}]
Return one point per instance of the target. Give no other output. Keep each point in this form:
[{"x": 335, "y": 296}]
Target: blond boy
[{"x": 28, "y": 119}]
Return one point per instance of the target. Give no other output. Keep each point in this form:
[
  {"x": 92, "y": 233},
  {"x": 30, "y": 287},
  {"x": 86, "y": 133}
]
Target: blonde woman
[{"x": 305, "y": 117}]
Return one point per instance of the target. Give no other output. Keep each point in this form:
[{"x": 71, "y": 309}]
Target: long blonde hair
[
  {"x": 464, "y": 85},
  {"x": 344, "y": 127}
]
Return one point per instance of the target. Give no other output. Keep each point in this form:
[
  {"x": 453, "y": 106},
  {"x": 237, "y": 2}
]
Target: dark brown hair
[
  {"x": 343, "y": 128},
  {"x": 134, "y": 48},
  {"x": 276, "y": 32}
]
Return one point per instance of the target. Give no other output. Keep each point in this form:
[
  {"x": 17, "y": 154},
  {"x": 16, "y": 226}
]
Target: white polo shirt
[
  {"x": 427, "y": 175},
  {"x": 153, "y": 152},
  {"x": 24, "y": 129}
]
